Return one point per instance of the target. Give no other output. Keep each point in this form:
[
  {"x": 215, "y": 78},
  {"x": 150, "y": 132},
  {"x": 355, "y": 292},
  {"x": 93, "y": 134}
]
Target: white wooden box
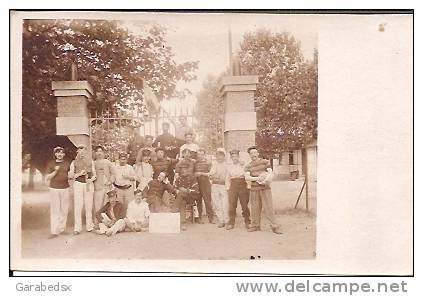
[{"x": 164, "y": 223}]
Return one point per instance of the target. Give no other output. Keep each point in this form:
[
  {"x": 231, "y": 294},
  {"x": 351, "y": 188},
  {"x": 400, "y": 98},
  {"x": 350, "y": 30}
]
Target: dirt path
[{"x": 198, "y": 242}]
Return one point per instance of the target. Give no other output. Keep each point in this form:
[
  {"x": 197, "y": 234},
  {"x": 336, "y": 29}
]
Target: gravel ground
[{"x": 198, "y": 242}]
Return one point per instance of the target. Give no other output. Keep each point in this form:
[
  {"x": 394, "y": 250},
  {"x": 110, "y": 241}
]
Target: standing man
[
  {"x": 105, "y": 178},
  {"x": 201, "y": 169},
  {"x": 186, "y": 184},
  {"x": 259, "y": 172},
  {"x": 82, "y": 173},
  {"x": 136, "y": 142},
  {"x": 237, "y": 189},
  {"x": 124, "y": 180},
  {"x": 57, "y": 174},
  {"x": 181, "y": 128},
  {"x": 218, "y": 175},
  {"x": 167, "y": 141}
]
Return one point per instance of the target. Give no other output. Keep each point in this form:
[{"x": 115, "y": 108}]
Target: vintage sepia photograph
[
  {"x": 187, "y": 136},
  {"x": 258, "y": 142}
]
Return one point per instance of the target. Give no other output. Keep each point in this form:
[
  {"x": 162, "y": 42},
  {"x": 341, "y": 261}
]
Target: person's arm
[
  {"x": 112, "y": 172},
  {"x": 102, "y": 210},
  {"x": 248, "y": 177},
  {"x": 131, "y": 174},
  {"x": 227, "y": 180},
  {"x": 94, "y": 176},
  {"x": 212, "y": 171},
  {"x": 71, "y": 173},
  {"x": 51, "y": 171},
  {"x": 120, "y": 213}
]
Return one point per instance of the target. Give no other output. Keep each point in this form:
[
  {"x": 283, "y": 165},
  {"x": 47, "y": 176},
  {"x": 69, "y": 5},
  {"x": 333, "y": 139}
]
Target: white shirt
[
  {"x": 121, "y": 170},
  {"x": 138, "y": 212},
  {"x": 191, "y": 147}
]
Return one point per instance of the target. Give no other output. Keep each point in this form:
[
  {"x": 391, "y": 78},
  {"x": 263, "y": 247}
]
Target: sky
[{"x": 204, "y": 37}]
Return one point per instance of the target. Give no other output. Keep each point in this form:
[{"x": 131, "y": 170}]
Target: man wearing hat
[
  {"x": 124, "y": 179},
  {"x": 57, "y": 176},
  {"x": 82, "y": 173},
  {"x": 237, "y": 189},
  {"x": 111, "y": 215},
  {"x": 259, "y": 172},
  {"x": 136, "y": 142},
  {"x": 181, "y": 129},
  {"x": 218, "y": 175},
  {"x": 201, "y": 169}
]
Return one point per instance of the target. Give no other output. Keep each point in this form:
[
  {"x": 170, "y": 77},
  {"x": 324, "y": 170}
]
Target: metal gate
[{"x": 111, "y": 128}]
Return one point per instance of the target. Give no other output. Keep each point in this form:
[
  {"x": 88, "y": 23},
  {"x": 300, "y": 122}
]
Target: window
[{"x": 291, "y": 157}]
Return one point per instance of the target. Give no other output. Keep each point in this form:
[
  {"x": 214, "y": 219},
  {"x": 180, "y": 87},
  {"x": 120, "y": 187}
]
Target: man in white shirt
[
  {"x": 124, "y": 180},
  {"x": 190, "y": 145},
  {"x": 82, "y": 173},
  {"x": 137, "y": 214},
  {"x": 237, "y": 189}
]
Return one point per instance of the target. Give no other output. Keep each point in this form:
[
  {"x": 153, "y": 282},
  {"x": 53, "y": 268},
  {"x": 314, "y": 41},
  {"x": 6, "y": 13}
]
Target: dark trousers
[
  {"x": 182, "y": 200},
  {"x": 238, "y": 190},
  {"x": 205, "y": 193}
]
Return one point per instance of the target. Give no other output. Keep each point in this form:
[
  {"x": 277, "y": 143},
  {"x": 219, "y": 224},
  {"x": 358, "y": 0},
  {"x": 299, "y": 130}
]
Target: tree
[
  {"x": 115, "y": 61},
  {"x": 286, "y": 97},
  {"x": 209, "y": 112}
]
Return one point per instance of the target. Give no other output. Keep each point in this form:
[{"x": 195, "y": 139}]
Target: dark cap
[
  {"x": 234, "y": 151},
  {"x": 252, "y": 148},
  {"x": 58, "y": 148},
  {"x": 123, "y": 155},
  {"x": 149, "y": 137},
  {"x": 111, "y": 193},
  {"x": 138, "y": 191}
]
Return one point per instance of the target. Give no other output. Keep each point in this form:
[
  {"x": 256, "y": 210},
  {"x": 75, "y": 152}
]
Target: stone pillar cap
[{"x": 72, "y": 85}]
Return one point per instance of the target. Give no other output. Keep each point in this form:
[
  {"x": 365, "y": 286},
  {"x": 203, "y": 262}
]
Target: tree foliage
[
  {"x": 114, "y": 60},
  {"x": 286, "y": 97}
]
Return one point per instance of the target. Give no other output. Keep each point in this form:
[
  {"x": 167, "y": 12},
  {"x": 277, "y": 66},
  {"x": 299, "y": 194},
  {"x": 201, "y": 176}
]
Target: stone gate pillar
[
  {"x": 73, "y": 116},
  {"x": 240, "y": 121}
]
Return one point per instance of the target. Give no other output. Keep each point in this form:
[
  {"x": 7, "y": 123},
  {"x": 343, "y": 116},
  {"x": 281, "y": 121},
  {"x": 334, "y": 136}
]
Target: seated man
[
  {"x": 154, "y": 192},
  {"x": 186, "y": 183},
  {"x": 137, "y": 214},
  {"x": 111, "y": 215},
  {"x": 163, "y": 164}
]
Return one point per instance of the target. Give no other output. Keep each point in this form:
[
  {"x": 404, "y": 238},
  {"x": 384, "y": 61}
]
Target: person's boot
[
  {"x": 211, "y": 220},
  {"x": 220, "y": 225},
  {"x": 253, "y": 228},
  {"x": 183, "y": 227},
  {"x": 199, "y": 220},
  {"x": 247, "y": 223},
  {"x": 52, "y": 236},
  {"x": 229, "y": 226}
]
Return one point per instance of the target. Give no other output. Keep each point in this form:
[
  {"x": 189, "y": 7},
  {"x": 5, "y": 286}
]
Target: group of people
[{"x": 120, "y": 197}]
